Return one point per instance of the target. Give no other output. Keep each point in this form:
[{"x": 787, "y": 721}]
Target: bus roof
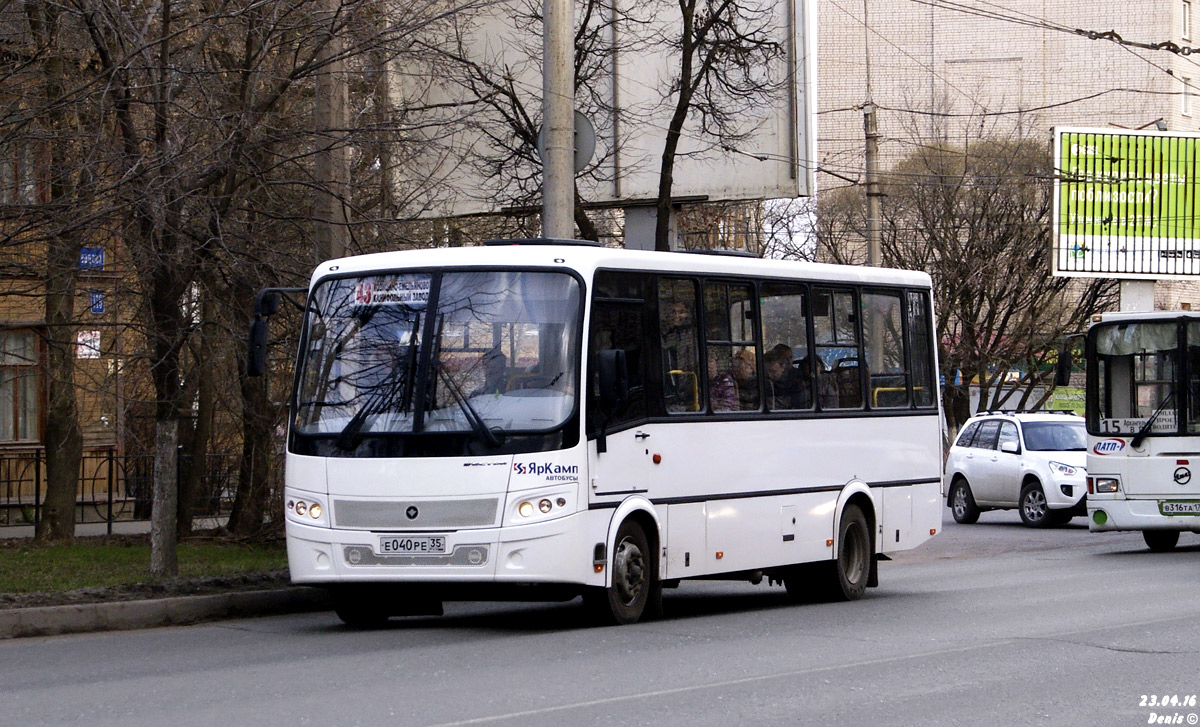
[
  {"x": 587, "y": 259},
  {"x": 1158, "y": 315}
]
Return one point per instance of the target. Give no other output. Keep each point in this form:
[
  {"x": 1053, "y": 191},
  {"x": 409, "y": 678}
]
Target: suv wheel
[
  {"x": 962, "y": 503},
  {"x": 1034, "y": 511}
]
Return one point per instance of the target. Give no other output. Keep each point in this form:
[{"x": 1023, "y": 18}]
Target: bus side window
[
  {"x": 835, "y": 333},
  {"x": 680, "y": 344},
  {"x": 883, "y": 339}
]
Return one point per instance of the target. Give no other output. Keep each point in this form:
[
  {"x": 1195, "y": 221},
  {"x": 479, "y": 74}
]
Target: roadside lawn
[{"x": 118, "y": 567}]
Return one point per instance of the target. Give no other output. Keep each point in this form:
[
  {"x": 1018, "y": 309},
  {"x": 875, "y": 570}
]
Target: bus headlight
[
  {"x": 306, "y": 509},
  {"x": 1103, "y": 485},
  {"x": 535, "y": 507}
]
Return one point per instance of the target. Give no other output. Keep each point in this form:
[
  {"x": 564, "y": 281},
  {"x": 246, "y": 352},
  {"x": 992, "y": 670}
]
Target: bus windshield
[
  {"x": 1136, "y": 370},
  {"x": 483, "y": 353}
]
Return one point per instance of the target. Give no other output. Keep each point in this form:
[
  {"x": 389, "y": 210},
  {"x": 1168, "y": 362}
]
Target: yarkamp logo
[
  {"x": 537, "y": 468},
  {"x": 1109, "y": 446}
]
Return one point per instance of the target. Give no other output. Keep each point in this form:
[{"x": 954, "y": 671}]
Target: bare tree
[{"x": 977, "y": 219}]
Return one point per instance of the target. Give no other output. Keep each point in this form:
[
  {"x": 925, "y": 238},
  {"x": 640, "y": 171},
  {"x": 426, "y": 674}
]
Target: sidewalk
[
  {"x": 119, "y": 527},
  {"x": 149, "y": 613}
]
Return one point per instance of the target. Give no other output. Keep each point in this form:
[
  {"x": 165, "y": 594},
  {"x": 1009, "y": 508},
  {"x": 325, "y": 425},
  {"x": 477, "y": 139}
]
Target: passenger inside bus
[
  {"x": 745, "y": 375},
  {"x": 495, "y": 366},
  {"x": 787, "y": 387},
  {"x": 722, "y": 389}
]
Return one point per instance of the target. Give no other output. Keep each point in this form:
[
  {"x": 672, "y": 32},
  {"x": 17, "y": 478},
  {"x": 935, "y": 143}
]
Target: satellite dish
[{"x": 585, "y": 142}]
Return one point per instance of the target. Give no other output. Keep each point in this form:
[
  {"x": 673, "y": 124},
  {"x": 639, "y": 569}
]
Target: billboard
[
  {"x": 474, "y": 158},
  {"x": 1125, "y": 204}
]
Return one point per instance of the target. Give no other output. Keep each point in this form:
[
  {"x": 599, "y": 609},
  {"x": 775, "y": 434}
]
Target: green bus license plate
[
  {"x": 1174, "y": 507},
  {"x": 406, "y": 544}
]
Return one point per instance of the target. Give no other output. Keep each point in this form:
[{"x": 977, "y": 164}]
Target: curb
[{"x": 89, "y": 617}]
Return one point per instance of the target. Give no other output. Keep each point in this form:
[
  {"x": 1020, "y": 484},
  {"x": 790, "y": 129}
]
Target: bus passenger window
[
  {"x": 680, "y": 344},
  {"x": 787, "y": 363}
]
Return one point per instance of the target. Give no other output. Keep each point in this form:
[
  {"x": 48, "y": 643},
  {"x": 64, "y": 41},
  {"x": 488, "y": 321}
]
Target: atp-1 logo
[
  {"x": 1109, "y": 446},
  {"x": 549, "y": 472}
]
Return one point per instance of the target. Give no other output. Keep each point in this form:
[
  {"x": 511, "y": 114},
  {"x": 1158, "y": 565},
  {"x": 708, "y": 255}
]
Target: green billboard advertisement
[{"x": 1125, "y": 204}]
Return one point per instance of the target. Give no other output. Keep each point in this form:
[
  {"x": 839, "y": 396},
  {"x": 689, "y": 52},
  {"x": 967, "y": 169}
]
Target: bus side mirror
[
  {"x": 613, "y": 382},
  {"x": 256, "y": 356},
  {"x": 266, "y": 304},
  {"x": 1062, "y": 370}
]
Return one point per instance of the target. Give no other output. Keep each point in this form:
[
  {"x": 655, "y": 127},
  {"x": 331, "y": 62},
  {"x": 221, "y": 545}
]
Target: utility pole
[
  {"x": 558, "y": 119},
  {"x": 871, "y": 129}
]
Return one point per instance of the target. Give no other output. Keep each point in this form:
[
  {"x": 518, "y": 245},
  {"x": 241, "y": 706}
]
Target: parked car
[{"x": 1035, "y": 462}]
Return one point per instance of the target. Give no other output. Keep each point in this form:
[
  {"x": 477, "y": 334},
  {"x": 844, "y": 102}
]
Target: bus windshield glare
[{"x": 482, "y": 353}]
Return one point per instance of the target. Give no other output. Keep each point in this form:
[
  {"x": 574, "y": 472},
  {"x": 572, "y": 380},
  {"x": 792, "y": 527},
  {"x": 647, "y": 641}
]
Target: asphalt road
[{"x": 990, "y": 624}]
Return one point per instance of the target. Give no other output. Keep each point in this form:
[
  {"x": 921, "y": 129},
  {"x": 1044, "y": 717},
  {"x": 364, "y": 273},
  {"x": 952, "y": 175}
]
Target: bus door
[{"x": 618, "y": 448}]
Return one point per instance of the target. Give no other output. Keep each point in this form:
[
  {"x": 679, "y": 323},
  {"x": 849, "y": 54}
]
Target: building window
[
  {"x": 18, "y": 386},
  {"x": 1185, "y": 99},
  {"x": 1187, "y": 20}
]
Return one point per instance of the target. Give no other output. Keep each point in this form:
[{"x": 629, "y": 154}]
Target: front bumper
[
  {"x": 1124, "y": 514},
  {"x": 556, "y": 551}
]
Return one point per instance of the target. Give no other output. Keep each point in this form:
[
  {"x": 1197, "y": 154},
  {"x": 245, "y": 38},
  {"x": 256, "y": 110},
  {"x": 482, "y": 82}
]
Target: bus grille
[
  {"x": 463, "y": 555},
  {"x": 425, "y": 514}
]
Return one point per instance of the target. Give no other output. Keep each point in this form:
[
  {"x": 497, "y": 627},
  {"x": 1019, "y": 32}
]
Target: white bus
[
  {"x": 1143, "y": 420},
  {"x": 542, "y": 420}
]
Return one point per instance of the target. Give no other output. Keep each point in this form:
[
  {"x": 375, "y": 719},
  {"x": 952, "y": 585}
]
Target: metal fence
[{"x": 112, "y": 487}]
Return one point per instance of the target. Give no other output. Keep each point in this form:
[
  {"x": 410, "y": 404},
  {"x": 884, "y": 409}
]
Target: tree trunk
[
  {"x": 191, "y": 487},
  {"x": 250, "y": 505},
  {"x": 63, "y": 439},
  {"x": 164, "y": 560}
]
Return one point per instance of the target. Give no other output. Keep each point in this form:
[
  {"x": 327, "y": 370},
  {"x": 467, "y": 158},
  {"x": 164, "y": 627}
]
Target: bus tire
[
  {"x": 359, "y": 608},
  {"x": 633, "y": 587},
  {"x": 1161, "y": 541},
  {"x": 962, "y": 503},
  {"x": 852, "y": 566}
]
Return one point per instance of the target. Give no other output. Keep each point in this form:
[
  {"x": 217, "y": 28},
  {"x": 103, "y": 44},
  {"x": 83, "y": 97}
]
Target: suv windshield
[
  {"x": 483, "y": 353},
  {"x": 1055, "y": 436}
]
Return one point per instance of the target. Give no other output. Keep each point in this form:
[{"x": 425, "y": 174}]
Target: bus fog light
[
  {"x": 315, "y": 511},
  {"x": 301, "y": 508},
  {"x": 1099, "y": 517},
  {"x": 544, "y": 505},
  {"x": 525, "y": 508}
]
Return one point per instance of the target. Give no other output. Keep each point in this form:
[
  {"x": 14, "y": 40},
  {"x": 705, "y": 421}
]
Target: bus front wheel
[
  {"x": 1160, "y": 541},
  {"x": 358, "y": 607},
  {"x": 635, "y": 589}
]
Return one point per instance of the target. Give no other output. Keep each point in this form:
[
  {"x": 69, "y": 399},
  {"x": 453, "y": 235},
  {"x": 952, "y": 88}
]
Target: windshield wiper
[
  {"x": 469, "y": 412},
  {"x": 1141, "y": 435},
  {"x": 381, "y": 396}
]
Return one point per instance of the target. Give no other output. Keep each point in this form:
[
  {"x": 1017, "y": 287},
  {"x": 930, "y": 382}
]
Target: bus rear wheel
[
  {"x": 1161, "y": 541},
  {"x": 852, "y": 566},
  {"x": 635, "y": 589}
]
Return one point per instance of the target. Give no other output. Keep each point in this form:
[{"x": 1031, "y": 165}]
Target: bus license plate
[
  {"x": 408, "y": 544},
  {"x": 1170, "y": 507}
]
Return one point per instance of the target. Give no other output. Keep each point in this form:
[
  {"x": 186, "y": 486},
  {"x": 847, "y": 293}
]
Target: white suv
[{"x": 1031, "y": 461}]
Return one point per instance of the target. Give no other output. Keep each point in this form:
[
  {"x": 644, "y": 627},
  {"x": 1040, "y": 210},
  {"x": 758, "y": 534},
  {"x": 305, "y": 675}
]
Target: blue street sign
[{"x": 91, "y": 258}]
